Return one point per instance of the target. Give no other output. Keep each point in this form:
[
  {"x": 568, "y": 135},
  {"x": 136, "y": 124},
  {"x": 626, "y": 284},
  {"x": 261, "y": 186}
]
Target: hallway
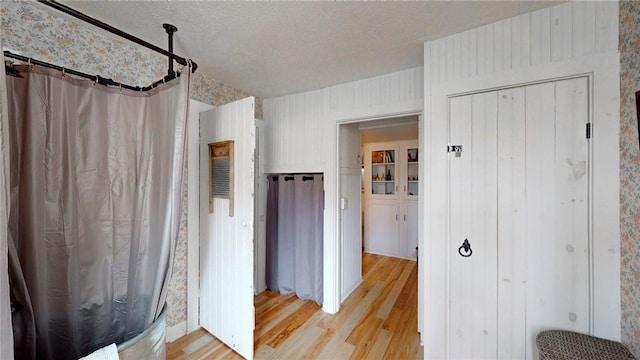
[{"x": 378, "y": 320}]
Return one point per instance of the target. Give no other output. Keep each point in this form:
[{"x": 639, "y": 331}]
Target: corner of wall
[
  {"x": 629, "y": 46},
  {"x": 175, "y": 332}
]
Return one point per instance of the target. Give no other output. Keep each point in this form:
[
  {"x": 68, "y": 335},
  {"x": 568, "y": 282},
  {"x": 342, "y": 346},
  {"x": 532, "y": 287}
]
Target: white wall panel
[
  {"x": 559, "y": 33},
  {"x": 193, "y": 214},
  {"x": 377, "y": 95},
  {"x": 606, "y": 14},
  {"x": 295, "y": 140},
  {"x": 351, "y": 234},
  {"x": 350, "y": 211}
]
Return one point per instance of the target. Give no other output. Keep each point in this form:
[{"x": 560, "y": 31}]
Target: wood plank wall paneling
[
  {"x": 571, "y": 38},
  {"x": 350, "y": 213},
  {"x": 554, "y": 34},
  {"x": 301, "y": 126},
  {"x": 295, "y": 139},
  {"x": 352, "y": 235}
]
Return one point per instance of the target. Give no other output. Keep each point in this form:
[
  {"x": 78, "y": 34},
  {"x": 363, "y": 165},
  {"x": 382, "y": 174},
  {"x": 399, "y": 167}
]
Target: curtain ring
[{"x": 63, "y": 73}]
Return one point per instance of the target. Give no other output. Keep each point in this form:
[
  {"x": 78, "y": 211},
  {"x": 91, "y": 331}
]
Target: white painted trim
[
  {"x": 346, "y": 295},
  {"x": 260, "y": 231},
  {"x": 176, "y": 331},
  {"x": 193, "y": 213},
  {"x": 393, "y": 111},
  {"x": 404, "y": 108}
]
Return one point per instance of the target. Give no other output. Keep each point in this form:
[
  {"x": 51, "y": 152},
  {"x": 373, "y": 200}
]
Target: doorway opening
[{"x": 379, "y": 194}]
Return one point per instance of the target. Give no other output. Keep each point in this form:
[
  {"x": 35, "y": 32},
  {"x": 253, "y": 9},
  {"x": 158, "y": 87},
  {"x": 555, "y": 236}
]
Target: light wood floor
[{"x": 377, "y": 321}]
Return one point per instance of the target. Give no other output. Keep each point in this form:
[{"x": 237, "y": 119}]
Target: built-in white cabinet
[
  {"x": 383, "y": 173},
  {"x": 391, "y": 198},
  {"x": 382, "y": 237},
  {"x": 409, "y": 229}
]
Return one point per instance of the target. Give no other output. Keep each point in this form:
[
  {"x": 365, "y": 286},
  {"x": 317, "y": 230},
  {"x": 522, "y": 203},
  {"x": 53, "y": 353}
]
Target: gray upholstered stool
[{"x": 569, "y": 345}]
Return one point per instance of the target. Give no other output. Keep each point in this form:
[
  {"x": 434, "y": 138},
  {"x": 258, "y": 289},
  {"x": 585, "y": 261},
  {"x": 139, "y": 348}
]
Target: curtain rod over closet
[{"x": 93, "y": 21}]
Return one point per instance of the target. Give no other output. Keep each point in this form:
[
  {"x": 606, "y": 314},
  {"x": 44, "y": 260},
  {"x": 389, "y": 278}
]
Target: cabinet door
[
  {"x": 381, "y": 232},
  {"x": 409, "y": 237}
]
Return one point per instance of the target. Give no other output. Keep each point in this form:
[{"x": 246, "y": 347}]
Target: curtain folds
[
  {"x": 295, "y": 207},
  {"x": 6, "y": 337},
  {"x": 96, "y": 186}
]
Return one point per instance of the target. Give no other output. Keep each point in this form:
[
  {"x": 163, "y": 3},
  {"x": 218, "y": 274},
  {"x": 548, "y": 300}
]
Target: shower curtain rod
[
  {"x": 170, "y": 29},
  {"x": 97, "y": 78},
  {"x": 93, "y": 21}
]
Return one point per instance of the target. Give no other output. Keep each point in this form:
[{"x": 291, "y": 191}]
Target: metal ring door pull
[{"x": 465, "y": 249}]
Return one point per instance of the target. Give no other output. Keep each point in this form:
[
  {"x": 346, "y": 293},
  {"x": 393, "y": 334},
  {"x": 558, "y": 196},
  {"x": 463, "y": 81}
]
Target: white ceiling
[
  {"x": 390, "y": 133},
  {"x": 276, "y": 48}
]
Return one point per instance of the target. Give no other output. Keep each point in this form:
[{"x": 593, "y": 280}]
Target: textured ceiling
[{"x": 276, "y": 48}]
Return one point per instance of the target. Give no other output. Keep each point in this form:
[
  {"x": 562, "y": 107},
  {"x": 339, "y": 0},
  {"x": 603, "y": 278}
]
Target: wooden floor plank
[
  {"x": 380, "y": 345},
  {"x": 272, "y": 319},
  {"x": 289, "y": 325},
  {"x": 398, "y": 285},
  {"x": 377, "y": 321}
]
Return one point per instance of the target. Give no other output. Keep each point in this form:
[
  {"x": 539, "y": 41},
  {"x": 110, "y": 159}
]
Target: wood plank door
[
  {"x": 226, "y": 238},
  {"x": 557, "y": 213},
  {"x": 473, "y": 218},
  {"x": 519, "y": 196}
]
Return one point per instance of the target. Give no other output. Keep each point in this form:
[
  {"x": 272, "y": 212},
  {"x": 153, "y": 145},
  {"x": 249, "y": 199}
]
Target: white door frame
[
  {"x": 193, "y": 214},
  {"x": 421, "y": 187}
]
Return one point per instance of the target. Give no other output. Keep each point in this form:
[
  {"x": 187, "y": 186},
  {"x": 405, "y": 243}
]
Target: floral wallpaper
[
  {"x": 32, "y": 30},
  {"x": 629, "y": 46},
  {"x": 211, "y": 91}
]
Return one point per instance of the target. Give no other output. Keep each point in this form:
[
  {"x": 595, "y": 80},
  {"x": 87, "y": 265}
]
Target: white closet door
[
  {"x": 473, "y": 218},
  {"x": 511, "y": 278},
  {"x": 519, "y": 196},
  {"x": 226, "y": 242},
  {"x": 557, "y": 211}
]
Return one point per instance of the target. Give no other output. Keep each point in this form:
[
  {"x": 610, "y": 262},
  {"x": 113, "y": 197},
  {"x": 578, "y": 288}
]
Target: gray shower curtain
[
  {"x": 295, "y": 208},
  {"x": 96, "y": 186},
  {"x": 6, "y": 336}
]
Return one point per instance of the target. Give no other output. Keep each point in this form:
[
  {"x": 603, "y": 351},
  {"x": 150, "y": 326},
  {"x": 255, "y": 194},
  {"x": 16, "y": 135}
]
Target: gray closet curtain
[
  {"x": 96, "y": 189},
  {"x": 295, "y": 208}
]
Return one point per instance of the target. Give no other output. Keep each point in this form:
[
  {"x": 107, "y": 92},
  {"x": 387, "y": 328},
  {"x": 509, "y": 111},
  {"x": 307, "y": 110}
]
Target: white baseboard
[
  {"x": 346, "y": 295},
  {"x": 259, "y": 290},
  {"x": 176, "y": 331}
]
